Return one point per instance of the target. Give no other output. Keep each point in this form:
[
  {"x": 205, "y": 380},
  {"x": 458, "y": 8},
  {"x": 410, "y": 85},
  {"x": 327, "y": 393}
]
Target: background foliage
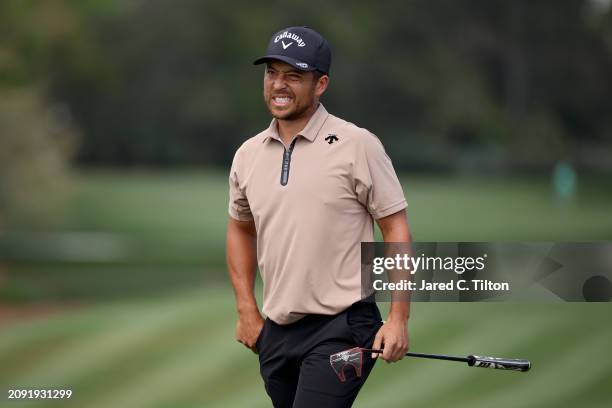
[{"x": 157, "y": 82}]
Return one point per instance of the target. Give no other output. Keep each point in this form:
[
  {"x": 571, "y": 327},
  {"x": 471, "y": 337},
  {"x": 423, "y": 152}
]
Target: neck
[{"x": 287, "y": 129}]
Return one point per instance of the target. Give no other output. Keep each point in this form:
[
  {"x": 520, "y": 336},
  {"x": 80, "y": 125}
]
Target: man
[{"x": 303, "y": 196}]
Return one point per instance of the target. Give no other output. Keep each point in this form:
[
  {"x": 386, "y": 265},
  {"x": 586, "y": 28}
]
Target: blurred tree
[
  {"x": 160, "y": 82},
  {"x": 37, "y": 137}
]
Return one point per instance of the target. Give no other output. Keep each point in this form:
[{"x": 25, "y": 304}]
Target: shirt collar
[{"x": 311, "y": 130}]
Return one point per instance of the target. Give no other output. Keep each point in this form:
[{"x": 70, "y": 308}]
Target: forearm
[
  {"x": 242, "y": 265},
  {"x": 399, "y": 310},
  {"x": 395, "y": 230}
]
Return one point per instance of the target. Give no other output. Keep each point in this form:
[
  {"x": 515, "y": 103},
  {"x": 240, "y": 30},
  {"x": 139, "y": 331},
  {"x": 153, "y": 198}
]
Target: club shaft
[{"x": 423, "y": 355}]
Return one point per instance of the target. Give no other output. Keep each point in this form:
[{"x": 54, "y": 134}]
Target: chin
[{"x": 281, "y": 114}]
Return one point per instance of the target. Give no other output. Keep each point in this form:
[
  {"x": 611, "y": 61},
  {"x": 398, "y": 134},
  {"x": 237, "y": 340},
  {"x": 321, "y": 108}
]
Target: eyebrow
[{"x": 289, "y": 71}]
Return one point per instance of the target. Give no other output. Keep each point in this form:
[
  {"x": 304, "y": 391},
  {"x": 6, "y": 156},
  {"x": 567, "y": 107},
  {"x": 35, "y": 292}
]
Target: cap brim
[{"x": 291, "y": 61}]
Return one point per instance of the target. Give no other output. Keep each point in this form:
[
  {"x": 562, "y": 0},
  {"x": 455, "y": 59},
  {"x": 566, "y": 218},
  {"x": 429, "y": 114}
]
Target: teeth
[{"x": 282, "y": 99}]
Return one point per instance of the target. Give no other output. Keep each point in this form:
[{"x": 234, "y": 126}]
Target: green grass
[
  {"x": 142, "y": 231},
  {"x": 191, "y": 205},
  {"x": 514, "y": 209},
  {"x": 178, "y": 351}
]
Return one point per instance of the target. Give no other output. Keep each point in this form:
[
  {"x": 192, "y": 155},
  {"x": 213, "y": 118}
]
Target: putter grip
[{"x": 499, "y": 363}]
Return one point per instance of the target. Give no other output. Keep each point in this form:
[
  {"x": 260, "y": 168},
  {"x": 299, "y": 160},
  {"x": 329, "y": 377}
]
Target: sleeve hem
[
  {"x": 390, "y": 210},
  {"x": 240, "y": 217}
]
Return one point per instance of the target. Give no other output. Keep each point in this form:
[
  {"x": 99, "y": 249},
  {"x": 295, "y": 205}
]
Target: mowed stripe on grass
[
  {"x": 546, "y": 334},
  {"x": 120, "y": 330},
  {"x": 179, "y": 351},
  {"x": 136, "y": 336},
  {"x": 418, "y": 382},
  {"x": 560, "y": 379},
  {"x": 568, "y": 359}
]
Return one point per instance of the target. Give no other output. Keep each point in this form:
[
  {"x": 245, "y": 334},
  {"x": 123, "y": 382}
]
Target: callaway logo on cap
[{"x": 301, "y": 47}]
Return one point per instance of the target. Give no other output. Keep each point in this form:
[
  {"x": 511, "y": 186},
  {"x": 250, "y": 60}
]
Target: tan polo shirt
[{"x": 313, "y": 204}]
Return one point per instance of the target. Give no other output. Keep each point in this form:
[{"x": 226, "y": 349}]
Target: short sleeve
[
  {"x": 238, "y": 203},
  {"x": 376, "y": 184}
]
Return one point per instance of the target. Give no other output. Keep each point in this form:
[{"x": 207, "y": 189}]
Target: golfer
[{"x": 304, "y": 193}]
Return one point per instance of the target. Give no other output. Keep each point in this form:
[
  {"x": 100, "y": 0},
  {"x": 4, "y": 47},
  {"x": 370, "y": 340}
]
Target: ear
[{"x": 321, "y": 85}]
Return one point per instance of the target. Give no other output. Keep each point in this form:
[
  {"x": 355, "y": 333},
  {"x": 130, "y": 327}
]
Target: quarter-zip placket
[{"x": 287, "y": 163}]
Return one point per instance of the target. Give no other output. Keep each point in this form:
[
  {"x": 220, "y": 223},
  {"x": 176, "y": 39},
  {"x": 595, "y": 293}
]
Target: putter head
[{"x": 351, "y": 357}]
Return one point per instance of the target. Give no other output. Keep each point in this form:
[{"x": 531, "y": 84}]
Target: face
[{"x": 289, "y": 93}]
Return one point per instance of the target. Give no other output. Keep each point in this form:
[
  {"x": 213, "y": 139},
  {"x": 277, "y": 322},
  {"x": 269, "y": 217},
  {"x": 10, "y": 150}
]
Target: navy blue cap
[{"x": 301, "y": 47}]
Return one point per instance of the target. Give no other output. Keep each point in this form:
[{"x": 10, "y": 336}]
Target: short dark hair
[{"x": 317, "y": 74}]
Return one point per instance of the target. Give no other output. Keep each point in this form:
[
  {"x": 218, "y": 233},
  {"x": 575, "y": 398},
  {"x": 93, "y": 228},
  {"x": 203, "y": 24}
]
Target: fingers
[
  {"x": 389, "y": 351},
  {"x": 247, "y": 333},
  {"x": 250, "y": 344},
  {"x": 395, "y": 350},
  {"x": 378, "y": 341},
  {"x": 393, "y": 335},
  {"x": 399, "y": 351}
]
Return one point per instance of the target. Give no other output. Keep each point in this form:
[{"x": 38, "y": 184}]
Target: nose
[{"x": 279, "y": 83}]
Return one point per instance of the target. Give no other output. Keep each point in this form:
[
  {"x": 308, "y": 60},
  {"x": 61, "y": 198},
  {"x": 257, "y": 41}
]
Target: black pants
[{"x": 294, "y": 358}]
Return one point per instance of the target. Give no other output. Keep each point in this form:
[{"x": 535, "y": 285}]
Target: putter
[{"x": 354, "y": 357}]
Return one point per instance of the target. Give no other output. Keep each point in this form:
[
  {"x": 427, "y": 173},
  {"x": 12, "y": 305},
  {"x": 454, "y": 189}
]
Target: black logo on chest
[{"x": 331, "y": 138}]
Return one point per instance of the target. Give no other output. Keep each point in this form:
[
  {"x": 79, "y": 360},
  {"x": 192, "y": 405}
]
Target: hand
[
  {"x": 248, "y": 328},
  {"x": 393, "y": 335}
]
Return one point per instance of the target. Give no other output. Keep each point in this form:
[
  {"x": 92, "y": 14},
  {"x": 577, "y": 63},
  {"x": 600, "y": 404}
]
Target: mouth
[{"x": 281, "y": 101}]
